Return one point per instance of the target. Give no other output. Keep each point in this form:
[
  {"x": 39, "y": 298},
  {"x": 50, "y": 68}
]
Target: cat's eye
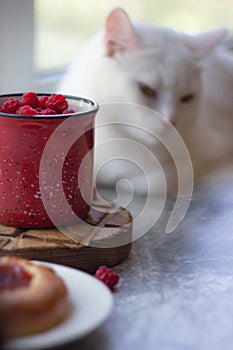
[
  {"x": 187, "y": 98},
  {"x": 147, "y": 90}
]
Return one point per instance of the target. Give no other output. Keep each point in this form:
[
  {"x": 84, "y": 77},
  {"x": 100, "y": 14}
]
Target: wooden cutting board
[{"x": 107, "y": 241}]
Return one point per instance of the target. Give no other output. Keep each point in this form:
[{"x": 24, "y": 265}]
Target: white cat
[{"x": 133, "y": 70}]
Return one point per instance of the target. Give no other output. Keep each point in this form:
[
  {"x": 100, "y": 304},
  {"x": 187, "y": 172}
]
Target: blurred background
[
  {"x": 63, "y": 26},
  {"x": 40, "y": 38}
]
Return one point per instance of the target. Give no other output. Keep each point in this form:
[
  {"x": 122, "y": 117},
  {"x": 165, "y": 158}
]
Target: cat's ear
[
  {"x": 119, "y": 34},
  {"x": 202, "y": 44}
]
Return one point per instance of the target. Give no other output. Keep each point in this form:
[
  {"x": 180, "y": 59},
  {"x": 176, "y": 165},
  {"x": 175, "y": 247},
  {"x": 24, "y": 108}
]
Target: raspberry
[
  {"x": 27, "y": 110},
  {"x": 43, "y": 100},
  {"x": 47, "y": 111},
  {"x": 34, "y": 105},
  {"x": 57, "y": 102},
  {"x": 107, "y": 276},
  {"x": 11, "y": 105},
  {"x": 68, "y": 111},
  {"x": 30, "y": 99}
]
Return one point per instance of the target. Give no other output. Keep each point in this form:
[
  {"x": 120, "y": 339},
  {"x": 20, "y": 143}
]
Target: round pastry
[{"x": 32, "y": 297}]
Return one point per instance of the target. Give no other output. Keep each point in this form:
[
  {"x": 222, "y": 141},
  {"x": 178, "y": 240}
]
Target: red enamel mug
[{"x": 46, "y": 165}]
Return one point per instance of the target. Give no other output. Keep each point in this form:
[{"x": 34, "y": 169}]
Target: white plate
[{"x": 92, "y": 304}]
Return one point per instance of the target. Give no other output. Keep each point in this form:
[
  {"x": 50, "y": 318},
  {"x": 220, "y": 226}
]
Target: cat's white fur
[{"x": 176, "y": 66}]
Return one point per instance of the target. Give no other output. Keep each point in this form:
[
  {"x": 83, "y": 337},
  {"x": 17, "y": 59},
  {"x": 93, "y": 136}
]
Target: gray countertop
[{"x": 176, "y": 290}]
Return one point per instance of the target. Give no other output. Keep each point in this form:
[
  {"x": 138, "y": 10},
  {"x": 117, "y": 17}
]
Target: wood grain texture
[{"x": 106, "y": 240}]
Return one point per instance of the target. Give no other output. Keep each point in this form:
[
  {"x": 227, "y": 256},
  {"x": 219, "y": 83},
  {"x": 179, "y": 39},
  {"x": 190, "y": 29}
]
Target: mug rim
[{"x": 93, "y": 107}]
